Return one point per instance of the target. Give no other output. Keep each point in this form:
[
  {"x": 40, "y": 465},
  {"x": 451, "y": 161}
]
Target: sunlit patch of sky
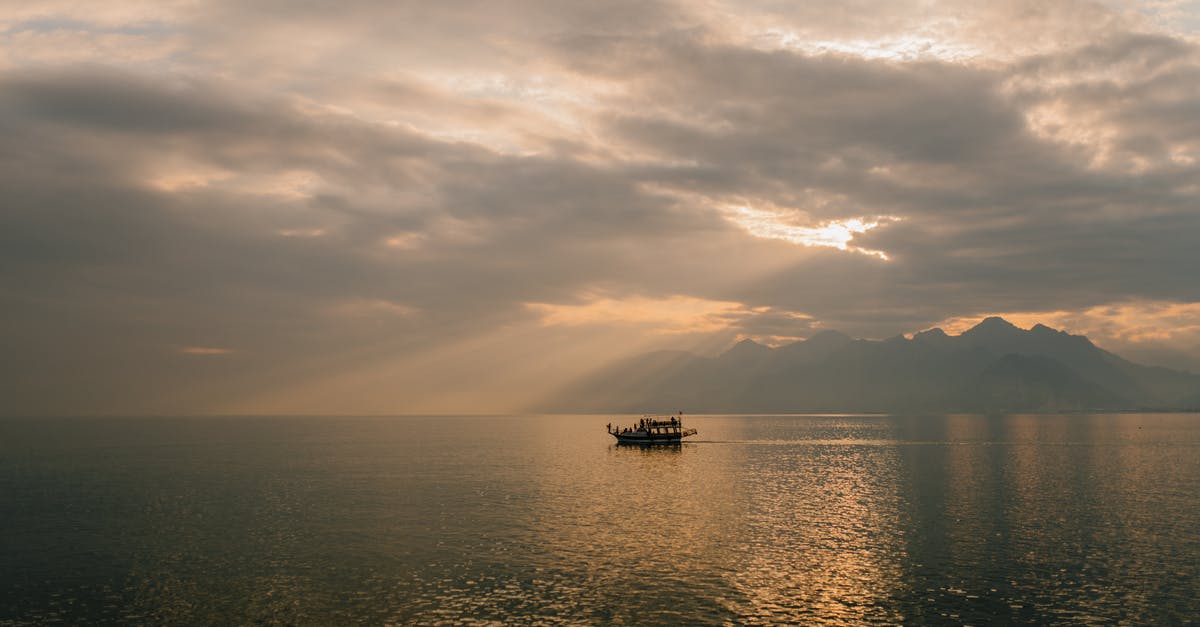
[
  {"x": 300, "y": 233},
  {"x": 407, "y": 240},
  {"x": 205, "y": 351},
  {"x": 1138, "y": 321},
  {"x": 905, "y": 48},
  {"x": 673, "y": 314},
  {"x": 837, "y": 234},
  {"x": 371, "y": 307},
  {"x": 182, "y": 177}
]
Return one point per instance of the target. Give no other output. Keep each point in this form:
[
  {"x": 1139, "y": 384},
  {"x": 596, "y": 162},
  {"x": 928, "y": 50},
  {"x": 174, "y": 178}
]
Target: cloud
[
  {"x": 351, "y": 193},
  {"x": 674, "y": 314},
  {"x": 205, "y": 350}
]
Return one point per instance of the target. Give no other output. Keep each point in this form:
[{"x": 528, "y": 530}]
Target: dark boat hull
[{"x": 643, "y": 438}]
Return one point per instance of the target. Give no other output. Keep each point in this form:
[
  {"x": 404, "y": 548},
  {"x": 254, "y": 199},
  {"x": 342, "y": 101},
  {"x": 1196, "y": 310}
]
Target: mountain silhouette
[{"x": 994, "y": 366}]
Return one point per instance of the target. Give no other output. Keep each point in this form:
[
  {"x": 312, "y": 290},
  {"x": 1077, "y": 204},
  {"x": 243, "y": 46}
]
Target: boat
[{"x": 652, "y": 430}]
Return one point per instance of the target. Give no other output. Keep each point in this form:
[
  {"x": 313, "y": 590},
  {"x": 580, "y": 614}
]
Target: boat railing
[
  {"x": 659, "y": 421},
  {"x": 655, "y": 425}
]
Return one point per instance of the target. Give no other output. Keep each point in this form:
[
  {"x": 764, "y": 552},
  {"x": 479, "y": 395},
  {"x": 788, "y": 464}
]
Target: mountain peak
[
  {"x": 997, "y": 334},
  {"x": 994, "y": 323},
  {"x": 746, "y": 348},
  {"x": 830, "y": 336},
  {"x": 995, "y": 366}
]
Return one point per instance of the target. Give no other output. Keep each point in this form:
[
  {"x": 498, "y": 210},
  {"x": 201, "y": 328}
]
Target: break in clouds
[{"x": 455, "y": 206}]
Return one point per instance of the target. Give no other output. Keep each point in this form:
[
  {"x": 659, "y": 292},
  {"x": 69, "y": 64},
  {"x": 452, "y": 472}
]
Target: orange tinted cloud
[
  {"x": 205, "y": 350},
  {"x": 674, "y": 314},
  {"x": 1125, "y": 323}
]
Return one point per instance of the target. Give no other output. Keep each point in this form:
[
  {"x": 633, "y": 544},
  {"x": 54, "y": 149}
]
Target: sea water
[{"x": 544, "y": 520}]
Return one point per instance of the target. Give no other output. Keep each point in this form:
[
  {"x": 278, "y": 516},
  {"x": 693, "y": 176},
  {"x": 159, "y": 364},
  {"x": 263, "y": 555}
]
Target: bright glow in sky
[
  {"x": 675, "y": 314},
  {"x": 832, "y": 234},
  {"x": 904, "y": 48}
]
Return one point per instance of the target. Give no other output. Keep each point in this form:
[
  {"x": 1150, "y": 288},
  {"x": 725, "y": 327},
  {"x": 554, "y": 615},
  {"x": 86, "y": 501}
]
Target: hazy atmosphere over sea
[{"x": 457, "y": 206}]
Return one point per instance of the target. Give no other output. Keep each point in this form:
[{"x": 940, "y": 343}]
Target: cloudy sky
[{"x": 361, "y": 206}]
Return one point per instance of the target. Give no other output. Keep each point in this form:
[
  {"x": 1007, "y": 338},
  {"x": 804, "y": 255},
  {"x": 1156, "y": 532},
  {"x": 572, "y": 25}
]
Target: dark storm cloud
[
  {"x": 100, "y": 98},
  {"x": 995, "y": 216},
  {"x": 117, "y": 269},
  {"x": 512, "y": 201},
  {"x": 780, "y": 122}
]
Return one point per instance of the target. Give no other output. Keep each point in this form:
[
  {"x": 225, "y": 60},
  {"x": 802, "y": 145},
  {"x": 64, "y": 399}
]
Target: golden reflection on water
[
  {"x": 820, "y": 533},
  {"x": 543, "y": 520}
]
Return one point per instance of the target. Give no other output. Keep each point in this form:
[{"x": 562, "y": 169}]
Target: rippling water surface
[{"x": 764, "y": 519}]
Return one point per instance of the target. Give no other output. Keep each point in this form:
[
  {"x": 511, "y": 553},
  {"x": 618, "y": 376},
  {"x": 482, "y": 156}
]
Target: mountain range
[{"x": 994, "y": 366}]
